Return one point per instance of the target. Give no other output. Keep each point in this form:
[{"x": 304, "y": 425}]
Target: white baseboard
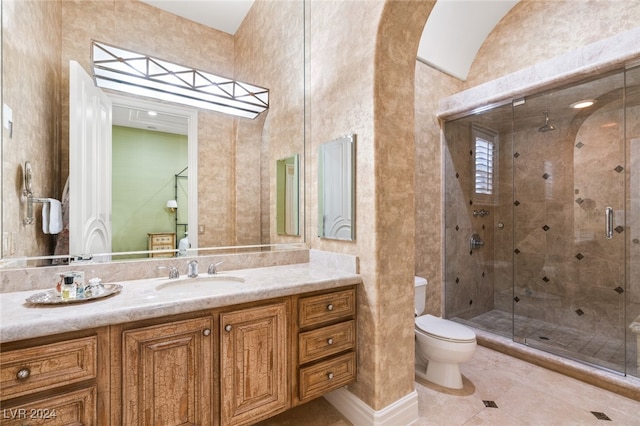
[{"x": 402, "y": 412}]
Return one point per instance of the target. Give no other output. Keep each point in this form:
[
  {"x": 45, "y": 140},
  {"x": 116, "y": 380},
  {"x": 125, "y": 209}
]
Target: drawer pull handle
[
  {"x": 330, "y": 376},
  {"x": 330, "y": 341},
  {"x": 23, "y": 373},
  {"x": 206, "y": 331},
  {"x": 330, "y": 307},
  {"x": 228, "y": 327}
]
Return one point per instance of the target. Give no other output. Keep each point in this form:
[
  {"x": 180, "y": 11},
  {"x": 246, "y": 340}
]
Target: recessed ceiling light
[
  {"x": 585, "y": 103},
  {"x": 152, "y": 113}
]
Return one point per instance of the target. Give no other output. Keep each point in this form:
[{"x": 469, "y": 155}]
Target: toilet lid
[{"x": 445, "y": 329}]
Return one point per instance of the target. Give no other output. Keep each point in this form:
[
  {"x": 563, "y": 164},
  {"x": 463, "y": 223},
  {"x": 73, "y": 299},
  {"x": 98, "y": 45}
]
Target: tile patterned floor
[{"x": 498, "y": 390}]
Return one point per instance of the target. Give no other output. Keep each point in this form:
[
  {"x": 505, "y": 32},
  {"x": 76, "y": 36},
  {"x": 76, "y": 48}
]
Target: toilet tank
[{"x": 420, "y": 294}]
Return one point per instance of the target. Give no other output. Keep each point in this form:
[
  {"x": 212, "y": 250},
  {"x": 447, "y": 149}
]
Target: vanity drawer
[
  {"x": 162, "y": 239},
  {"x": 326, "y": 376},
  {"x": 316, "y": 344},
  {"x": 38, "y": 368},
  {"x": 326, "y": 307}
]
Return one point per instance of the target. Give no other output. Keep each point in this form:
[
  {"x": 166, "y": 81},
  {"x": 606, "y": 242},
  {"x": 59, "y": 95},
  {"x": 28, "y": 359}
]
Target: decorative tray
[{"x": 51, "y": 297}]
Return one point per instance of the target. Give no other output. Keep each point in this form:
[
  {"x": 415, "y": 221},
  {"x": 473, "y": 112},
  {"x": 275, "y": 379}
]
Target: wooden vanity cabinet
[
  {"x": 254, "y": 347},
  {"x": 56, "y": 380},
  {"x": 326, "y": 343}
]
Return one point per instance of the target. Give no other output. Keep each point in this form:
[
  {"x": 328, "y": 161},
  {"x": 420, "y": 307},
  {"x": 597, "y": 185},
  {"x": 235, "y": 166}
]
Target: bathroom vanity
[{"x": 234, "y": 356}]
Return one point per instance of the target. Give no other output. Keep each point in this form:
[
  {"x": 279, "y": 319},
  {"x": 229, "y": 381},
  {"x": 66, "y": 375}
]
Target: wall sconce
[
  {"x": 126, "y": 71},
  {"x": 172, "y": 205}
]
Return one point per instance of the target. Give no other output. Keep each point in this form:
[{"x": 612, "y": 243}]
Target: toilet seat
[{"x": 442, "y": 329}]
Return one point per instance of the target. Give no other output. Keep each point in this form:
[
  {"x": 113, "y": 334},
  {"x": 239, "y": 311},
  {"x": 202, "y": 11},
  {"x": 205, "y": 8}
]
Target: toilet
[{"x": 441, "y": 345}]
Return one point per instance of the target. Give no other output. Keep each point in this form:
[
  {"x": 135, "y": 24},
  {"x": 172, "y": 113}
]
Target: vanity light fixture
[
  {"x": 172, "y": 205},
  {"x": 585, "y": 103},
  {"x": 125, "y": 71}
]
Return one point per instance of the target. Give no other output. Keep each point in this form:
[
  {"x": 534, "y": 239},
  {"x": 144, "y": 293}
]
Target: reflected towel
[{"x": 52, "y": 216}]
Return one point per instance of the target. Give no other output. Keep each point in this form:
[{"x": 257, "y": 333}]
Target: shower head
[{"x": 547, "y": 127}]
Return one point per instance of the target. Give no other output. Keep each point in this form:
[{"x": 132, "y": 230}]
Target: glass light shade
[{"x": 118, "y": 69}]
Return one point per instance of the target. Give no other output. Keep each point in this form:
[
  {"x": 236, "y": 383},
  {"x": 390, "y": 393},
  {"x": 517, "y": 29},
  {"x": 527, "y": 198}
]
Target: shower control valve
[{"x": 475, "y": 242}]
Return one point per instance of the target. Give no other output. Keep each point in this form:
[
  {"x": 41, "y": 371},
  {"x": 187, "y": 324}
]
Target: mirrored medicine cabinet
[{"x": 336, "y": 193}]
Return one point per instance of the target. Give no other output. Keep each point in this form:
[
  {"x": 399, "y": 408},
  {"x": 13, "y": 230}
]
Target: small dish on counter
[{"x": 52, "y": 297}]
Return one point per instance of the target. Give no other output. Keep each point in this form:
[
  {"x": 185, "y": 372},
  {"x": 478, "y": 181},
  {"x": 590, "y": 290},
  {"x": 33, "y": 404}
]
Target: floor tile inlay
[
  {"x": 490, "y": 404},
  {"x": 600, "y": 416}
]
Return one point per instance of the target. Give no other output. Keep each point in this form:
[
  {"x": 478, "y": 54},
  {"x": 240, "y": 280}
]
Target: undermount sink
[{"x": 201, "y": 284}]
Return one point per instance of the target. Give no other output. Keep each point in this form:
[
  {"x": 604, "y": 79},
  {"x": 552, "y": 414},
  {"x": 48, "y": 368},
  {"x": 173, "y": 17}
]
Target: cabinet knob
[
  {"x": 23, "y": 373},
  {"x": 206, "y": 331},
  {"x": 330, "y": 376},
  {"x": 330, "y": 341},
  {"x": 330, "y": 307},
  {"x": 228, "y": 327}
]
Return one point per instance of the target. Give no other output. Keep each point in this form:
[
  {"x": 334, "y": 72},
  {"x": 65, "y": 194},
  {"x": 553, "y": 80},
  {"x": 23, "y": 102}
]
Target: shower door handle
[{"x": 608, "y": 222}]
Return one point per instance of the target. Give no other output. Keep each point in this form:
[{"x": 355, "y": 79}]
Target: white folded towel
[{"x": 52, "y": 216}]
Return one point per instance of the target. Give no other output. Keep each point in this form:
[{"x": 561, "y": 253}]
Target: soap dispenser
[
  {"x": 68, "y": 287},
  {"x": 183, "y": 245}
]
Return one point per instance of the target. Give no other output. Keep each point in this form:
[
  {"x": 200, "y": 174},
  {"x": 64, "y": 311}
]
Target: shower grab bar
[{"x": 608, "y": 222}]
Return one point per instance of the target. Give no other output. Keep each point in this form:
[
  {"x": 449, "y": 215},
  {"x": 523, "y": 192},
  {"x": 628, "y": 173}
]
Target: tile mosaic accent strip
[
  {"x": 516, "y": 203},
  {"x": 619, "y": 290},
  {"x": 545, "y": 279},
  {"x": 600, "y": 416},
  {"x": 579, "y": 200},
  {"x": 580, "y": 312},
  {"x": 546, "y": 228},
  {"x": 619, "y": 229},
  {"x": 517, "y": 154},
  {"x": 546, "y": 176},
  {"x": 579, "y": 145},
  {"x": 516, "y": 299},
  {"x": 619, "y": 169},
  {"x": 579, "y": 256}
]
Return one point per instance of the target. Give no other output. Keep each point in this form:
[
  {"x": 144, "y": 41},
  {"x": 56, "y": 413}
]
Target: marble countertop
[{"x": 140, "y": 299}]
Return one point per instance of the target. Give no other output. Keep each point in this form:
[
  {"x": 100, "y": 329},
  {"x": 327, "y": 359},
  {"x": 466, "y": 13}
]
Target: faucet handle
[
  {"x": 213, "y": 268},
  {"x": 173, "y": 271}
]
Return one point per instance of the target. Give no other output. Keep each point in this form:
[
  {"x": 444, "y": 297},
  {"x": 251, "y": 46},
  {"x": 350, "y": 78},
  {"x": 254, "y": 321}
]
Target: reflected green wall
[{"x": 144, "y": 166}]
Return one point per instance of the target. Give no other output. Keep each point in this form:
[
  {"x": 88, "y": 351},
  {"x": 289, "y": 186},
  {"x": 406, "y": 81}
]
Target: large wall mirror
[
  {"x": 336, "y": 191},
  {"x": 229, "y": 190}
]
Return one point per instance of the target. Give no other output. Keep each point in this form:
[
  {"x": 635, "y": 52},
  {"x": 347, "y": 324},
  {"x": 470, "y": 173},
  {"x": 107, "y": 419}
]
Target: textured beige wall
[
  {"x": 535, "y": 30},
  {"x": 271, "y": 54},
  {"x": 30, "y": 76},
  {"x": 362, "y": 61},
  {"x": 431, "y": 85}
]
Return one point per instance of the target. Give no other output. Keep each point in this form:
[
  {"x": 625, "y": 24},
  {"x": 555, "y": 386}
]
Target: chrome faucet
[
  {"x": 192, "y": 271},
  {"x": 173, "y": 271},
  {"x": 213, "y": 268}
]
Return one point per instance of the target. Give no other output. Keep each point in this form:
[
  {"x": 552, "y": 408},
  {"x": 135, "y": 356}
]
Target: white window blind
[{"x": 483, "y": 166}]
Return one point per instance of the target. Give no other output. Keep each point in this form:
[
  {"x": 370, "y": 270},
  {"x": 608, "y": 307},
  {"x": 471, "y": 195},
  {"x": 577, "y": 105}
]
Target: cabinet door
[
  {"x": 254, "y": 377},
  {"x": 167, "y": 374}
]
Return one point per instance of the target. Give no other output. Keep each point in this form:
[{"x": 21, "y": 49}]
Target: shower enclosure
[{"x": 542, "y": 220}]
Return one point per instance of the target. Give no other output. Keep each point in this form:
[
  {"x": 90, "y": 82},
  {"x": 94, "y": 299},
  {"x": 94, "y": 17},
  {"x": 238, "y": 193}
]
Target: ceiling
[{"x": 223, "y": 15}]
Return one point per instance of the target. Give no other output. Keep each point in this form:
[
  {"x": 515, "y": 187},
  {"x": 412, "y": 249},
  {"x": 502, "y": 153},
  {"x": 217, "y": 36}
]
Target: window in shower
[{"x": 484, "y": 147}]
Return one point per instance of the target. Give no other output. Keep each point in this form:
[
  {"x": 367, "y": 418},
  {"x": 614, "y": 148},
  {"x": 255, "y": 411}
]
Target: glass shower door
[{"x": 569, "y": 180}]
